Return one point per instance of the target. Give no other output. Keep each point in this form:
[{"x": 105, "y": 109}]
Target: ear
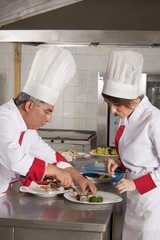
[{"x": 28, "y": 106}]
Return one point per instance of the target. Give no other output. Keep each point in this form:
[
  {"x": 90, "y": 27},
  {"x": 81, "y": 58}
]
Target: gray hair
[{"x": 24, "y": 97}]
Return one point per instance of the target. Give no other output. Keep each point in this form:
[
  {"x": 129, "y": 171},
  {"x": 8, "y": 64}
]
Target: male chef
[{"x": 22, "y": 151}]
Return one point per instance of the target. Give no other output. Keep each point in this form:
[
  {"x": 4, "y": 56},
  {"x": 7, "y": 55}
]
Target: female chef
[
  {"x": 22, "y": 151},
  {"x": 138, "y": 145}
]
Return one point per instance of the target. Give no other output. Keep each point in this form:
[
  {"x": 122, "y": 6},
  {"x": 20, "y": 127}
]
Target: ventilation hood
[{"x": 81, "y": 22}]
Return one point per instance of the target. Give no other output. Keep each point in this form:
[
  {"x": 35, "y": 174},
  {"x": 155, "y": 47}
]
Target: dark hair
[
  {"x": 119, "y": 101},
  {"x": 24, "y": 97}
]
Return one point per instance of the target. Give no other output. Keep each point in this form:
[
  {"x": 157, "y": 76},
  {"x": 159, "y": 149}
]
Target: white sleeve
[{"x": 11, "y": 155}]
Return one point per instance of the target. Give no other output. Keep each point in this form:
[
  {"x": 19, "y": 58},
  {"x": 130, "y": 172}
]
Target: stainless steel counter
[{"x": 25, "y": 216}]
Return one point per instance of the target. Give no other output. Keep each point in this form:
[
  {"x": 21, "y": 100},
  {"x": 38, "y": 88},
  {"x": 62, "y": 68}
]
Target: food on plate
[
  {"x": 96, "y": 199},
  {"x": 71, "y": 153},
  {"x": 89, "y": 198},
  {"x": 46, "y": 188},
  {"x": 104, "y": 151},
  {"x": 106, "y": 175}
]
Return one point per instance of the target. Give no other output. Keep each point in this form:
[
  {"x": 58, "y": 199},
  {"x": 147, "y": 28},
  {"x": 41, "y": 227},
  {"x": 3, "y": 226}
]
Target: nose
[
  {"x": 49, "y": 117},
  {"x": 113, "y": 109}
]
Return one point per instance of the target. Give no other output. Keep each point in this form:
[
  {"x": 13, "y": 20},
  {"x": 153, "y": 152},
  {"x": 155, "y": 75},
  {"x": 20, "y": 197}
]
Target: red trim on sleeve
[
  {"x": 60, "y": 158},
  {"x": 145, "y": 184},
  {"x": 36, "y": 172},
  {"x": 21, "y": 138},
  {"x": 117, "y": 138}
]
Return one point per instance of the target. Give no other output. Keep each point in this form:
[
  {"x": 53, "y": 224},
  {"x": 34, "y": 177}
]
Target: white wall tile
[
  {"x": 3, "y": 76},
  {"x": 80, "y": 124},
  {"x": 69, "y": 94},
  {"x": 91, "y": 124},
  {"x": 92, "y": 94},
  {"x": 57, "y": 123},
  {"x": 93, "y": 63},
  {"x": 58, "y": 110},
  {"x": 81, "y": 78},
  {"x": 69, "y": 123},
  {"x": 92, "y": 110},
  {"x": 4, "y": 61},
  {"x": 69, "y": 110},
  {"x": 92, "y": 78},
  {"x": 80, "y": 110},
  {"x": 81, "y": 94},
  {"x": 81, "y": 62}
]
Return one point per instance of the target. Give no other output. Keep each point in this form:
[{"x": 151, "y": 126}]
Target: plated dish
[
  {"x": 98, "y": 155},
  {"x": 101, "y": 151},
  {"x": 43, "y": 190},
  {"x": 99, "y": 177},
  {"x": 107, "y": 198},
  {"x": 70, "y": 155}
]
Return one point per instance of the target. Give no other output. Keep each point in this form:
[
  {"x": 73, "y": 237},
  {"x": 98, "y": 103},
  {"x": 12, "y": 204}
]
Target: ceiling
[{"x": 120, "y": 22}]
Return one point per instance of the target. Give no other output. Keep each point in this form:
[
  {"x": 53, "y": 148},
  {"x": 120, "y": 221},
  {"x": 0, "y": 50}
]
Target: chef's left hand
[
  {"x": 125, "y": 185},
  {"x": 86, "y": 185}
]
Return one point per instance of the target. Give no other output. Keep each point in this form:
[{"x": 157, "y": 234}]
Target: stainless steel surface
[
  {"x": 59, "y": 140},
  {"x": 31, "y": 36},
  {"x": 13, "y": 10},
  {"x": 89, "y": 22},
  {"x": 102, "y": 120},
  {"x": 25, "y": 216},
  {"x": 31, "y": 217},
  {"x": 153, "y": 89}
]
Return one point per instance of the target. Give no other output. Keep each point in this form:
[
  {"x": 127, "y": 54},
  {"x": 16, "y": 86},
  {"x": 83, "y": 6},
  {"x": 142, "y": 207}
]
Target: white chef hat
[
  {"x": 123, "y": 75},
  {"x": 52, "y": 69}
]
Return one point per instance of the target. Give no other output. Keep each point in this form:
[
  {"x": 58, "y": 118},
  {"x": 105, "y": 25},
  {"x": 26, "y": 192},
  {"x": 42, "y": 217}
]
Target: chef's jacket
[
  {"x": 139, "y": 151},
  {"x": 22, "y": 151}
]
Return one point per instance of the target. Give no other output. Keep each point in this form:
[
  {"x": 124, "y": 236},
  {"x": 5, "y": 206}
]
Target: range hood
[
  {"x": 82, "y": 38},
  {"x": 81, "y": 22}
]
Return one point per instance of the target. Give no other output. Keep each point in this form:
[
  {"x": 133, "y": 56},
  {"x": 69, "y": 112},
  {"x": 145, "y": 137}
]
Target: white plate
[
  {"x": 81, "y": 155},
  {"x": 103, "y": 155},
  {"x": 32, "y": 189},
  {"x": 107, "y": 198}
]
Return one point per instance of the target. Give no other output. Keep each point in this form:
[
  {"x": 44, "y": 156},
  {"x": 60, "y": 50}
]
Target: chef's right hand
[
  {"x": 62, "y": 176},
  {"x": 112, "y": 164}
]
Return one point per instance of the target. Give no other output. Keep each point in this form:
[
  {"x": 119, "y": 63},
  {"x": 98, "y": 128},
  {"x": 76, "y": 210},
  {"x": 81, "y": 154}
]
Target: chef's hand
[
  {"x": 62, "y": 176},
  {"x": 125, "y": 185},
  {"x": 112, "y": 164},
  {"x": 86, "y": 185}
]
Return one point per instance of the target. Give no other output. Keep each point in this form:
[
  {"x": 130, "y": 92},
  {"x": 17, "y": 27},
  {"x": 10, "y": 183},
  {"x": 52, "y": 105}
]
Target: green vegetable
[
  {"x": 99, "y": 199},
  {"x": 95, "y": 199}
]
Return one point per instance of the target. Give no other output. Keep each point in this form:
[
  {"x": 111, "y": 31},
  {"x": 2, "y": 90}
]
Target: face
[
  {"x": 38, "y": 116},
  {"x": 121, "y": 111}
]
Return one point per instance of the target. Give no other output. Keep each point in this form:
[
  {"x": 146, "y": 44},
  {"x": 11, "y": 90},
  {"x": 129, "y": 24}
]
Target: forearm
[{"x": 76, "y": 176}]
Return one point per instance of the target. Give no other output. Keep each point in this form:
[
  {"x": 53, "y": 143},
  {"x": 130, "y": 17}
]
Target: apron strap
[{"x": 117, "y": 138}]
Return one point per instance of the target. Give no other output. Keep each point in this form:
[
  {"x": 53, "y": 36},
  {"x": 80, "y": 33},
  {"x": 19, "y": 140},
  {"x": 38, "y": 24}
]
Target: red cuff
[
  {"x": 36, "y": 172},
  {"x": 60, "y": 158},
  {"x": 145, "y": 184}
]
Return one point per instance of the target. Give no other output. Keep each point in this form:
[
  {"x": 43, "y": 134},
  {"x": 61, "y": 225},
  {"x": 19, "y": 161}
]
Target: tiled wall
[{"x": 77, "y": 105}]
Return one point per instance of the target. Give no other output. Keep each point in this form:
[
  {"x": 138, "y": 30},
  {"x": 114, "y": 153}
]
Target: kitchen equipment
[
  {"x": 153, "y": 89},
  {"x": 60, "y": 140}
]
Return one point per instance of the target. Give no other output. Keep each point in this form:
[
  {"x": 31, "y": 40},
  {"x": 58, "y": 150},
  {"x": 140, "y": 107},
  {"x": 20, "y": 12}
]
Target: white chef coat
[
  {"x": 17, "y": 159},
  {"x": 139, "y": 150}
]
